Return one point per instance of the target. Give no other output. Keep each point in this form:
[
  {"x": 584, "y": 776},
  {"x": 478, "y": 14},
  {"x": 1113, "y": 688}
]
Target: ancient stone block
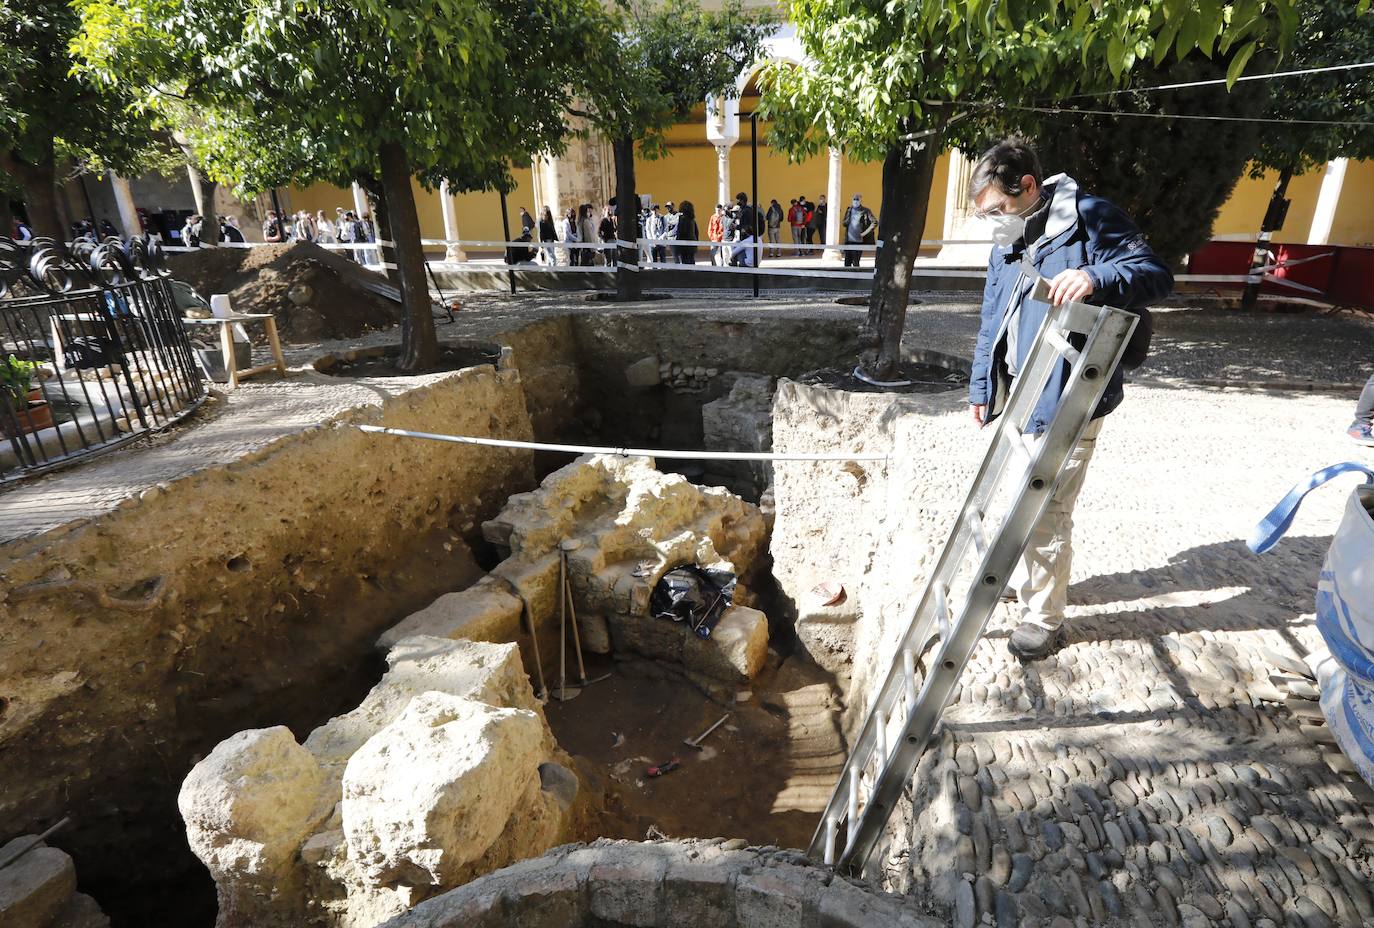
[
  {"x": 535, "y": 582},
  {"x": 628, "y": 889},
  {"x": 643, "y": 373},
  {"x": 490, "y": 673},
  {"x": 699, "y": 893},
  {"x": 433, "y": 790},
  {"x": 36, "y": 887},
  {"x": 595, "y": 632},
  {"x": 647, "y": 636},
  {"x": 248, "y": 806},
  {"x": 485, "y": 611},
  {"x": 777, "y": 897},
  {"x": 736, "y": 649},
  {"x": 81, "y": 911}
]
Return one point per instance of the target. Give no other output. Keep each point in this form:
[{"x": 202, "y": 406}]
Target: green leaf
[
  {"x": 1116, "y": 56},
  {"x": 1187, "y": 34},
  {"x": 1238, "y": 63}
]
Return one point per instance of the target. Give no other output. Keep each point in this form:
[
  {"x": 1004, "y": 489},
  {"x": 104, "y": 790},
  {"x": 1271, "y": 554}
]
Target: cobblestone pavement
[{"x": 1154, "y": 772}]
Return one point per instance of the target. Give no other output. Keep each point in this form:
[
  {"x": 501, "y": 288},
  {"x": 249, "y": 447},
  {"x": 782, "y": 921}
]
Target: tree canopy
[
  {"x": 1330, "y": 31},
  {"x": 50, "y": 116},
  {"x": 662, "y": 59},
  {"x": 340, "y": 90},
  {"x": 887, "y": 77}
]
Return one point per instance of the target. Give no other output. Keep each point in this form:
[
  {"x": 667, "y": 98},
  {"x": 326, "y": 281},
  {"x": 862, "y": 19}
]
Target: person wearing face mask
[
  {"x": 859, "y": 225},
  {"x": 1089, "y": 251}
]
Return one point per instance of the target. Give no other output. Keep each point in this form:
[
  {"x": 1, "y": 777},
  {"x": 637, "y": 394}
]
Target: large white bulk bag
[{"x": 1345, "y": 612}]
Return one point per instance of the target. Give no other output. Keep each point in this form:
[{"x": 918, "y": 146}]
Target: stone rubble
[
  {"x": 38, "y": 890},
  {"x": 623, "y": 525},
  {"x": 445, "y": 771}
]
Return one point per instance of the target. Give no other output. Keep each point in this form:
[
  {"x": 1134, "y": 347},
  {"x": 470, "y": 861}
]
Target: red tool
[{"x": 659, "y": 770}]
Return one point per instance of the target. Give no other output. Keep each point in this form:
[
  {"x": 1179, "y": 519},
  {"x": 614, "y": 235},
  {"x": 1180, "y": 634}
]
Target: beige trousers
[{"x": 1041, "y": 578}]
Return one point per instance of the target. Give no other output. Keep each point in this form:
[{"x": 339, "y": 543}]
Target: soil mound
[{"x": 315, "y": 294}]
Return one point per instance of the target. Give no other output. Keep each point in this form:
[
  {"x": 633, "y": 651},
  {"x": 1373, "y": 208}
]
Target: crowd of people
[{"x": 736, "y": 234}]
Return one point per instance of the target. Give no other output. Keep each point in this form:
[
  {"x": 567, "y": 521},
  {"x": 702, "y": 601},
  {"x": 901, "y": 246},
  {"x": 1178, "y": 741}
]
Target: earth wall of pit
[{"x": 238, "y": 596}]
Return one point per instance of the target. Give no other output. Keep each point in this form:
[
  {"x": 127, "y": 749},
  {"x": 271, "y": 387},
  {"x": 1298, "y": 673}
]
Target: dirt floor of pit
[{"x": 765, "y": 775}]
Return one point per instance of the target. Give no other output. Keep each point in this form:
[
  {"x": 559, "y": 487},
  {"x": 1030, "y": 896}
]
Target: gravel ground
[{"x": 1154, "y": 772}]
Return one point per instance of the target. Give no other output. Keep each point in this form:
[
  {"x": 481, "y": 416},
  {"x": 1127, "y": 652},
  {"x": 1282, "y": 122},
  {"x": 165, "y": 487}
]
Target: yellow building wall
[
  {"x": 478, "y": 214},
  {"x": 1353, "y": 224},
  {"x": 688, "y": 172},
  {"x": 1242, "y": 214},
  {"x": 1354, "y": 221}
]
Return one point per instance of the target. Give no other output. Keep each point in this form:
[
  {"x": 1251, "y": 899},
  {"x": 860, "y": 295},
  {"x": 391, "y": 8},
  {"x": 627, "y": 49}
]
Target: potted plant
[{"x": 22, "y": 407}]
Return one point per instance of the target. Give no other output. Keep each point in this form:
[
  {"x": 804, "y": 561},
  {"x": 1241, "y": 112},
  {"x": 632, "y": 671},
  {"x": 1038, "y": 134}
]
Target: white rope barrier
[
  {"x": 680, "y": 455},
  {"x": 1255, "y": 276}
]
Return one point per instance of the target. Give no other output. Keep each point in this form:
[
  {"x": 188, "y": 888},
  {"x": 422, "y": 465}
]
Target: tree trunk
[
  {"x": 38, "y": 181},
  {"x": 419, "y": 345},
  {"x": 628, "y": 284},
  {"x": 203, "y": 190},
  {"x": 6, "y": 214},
  {"x": 1273, "y": 221},
  {"x": 907, "y": 172}
]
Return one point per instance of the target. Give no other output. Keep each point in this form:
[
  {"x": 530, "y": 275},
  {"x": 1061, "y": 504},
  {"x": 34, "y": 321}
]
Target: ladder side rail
[
  {"x": 1081, "y": 395},
  {"x": 1026, "y": 392}
]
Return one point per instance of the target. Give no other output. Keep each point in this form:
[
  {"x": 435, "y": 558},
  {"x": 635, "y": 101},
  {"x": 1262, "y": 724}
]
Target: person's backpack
[{"x": 1138, "y": 348}]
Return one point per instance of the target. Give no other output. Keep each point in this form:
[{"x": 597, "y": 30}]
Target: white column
[
  {"x": 452, "y": 252},
  {"x": 723, "y": 194},
  {"x": 1327, "y": 201},
  {"x": 124, "y": 201},
  {"x": 359, "y": 200},
  {"x": 835, "y": 207}
]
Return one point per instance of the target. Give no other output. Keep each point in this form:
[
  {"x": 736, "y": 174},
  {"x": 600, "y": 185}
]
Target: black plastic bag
[{"x": 693, "y": 595}]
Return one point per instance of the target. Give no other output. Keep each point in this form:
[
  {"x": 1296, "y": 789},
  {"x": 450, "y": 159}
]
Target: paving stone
[
  {"x": 1021, "y": 869},
  {"x": 1000, "y": 870},
  {"x": 1052, "y": 835},
  {"x": 1005, "y": 911},
  {"x": 965, "y": 910}
]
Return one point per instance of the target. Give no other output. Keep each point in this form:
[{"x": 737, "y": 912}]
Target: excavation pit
[{"x": 269, "y": 600}]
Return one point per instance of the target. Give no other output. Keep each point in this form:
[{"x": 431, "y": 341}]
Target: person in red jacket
[
  {"x": 715, "y": 231},
  {"x": 796, "y": 218}
]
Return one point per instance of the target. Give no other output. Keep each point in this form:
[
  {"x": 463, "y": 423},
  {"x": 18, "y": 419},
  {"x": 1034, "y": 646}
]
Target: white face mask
[{"x": 1007, "y": 229}]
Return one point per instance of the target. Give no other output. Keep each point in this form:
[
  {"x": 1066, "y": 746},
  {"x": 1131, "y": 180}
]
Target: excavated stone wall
[
  {"x": 621, "y": 524},
  {"x": 715, "y": 883},
  {"x": 240, "y": 595}
]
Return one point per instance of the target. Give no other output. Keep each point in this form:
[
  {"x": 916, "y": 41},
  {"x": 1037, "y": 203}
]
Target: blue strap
[{"x": 1273, "y": 526}]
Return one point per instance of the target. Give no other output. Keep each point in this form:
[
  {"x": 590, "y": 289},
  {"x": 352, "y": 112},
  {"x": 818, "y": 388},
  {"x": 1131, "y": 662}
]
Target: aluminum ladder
[{"x": 1014, "y": 484}]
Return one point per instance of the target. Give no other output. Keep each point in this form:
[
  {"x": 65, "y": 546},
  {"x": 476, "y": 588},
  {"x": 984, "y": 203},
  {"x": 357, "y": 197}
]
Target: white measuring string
[
  {"x": 679, "y": 455},
  {"x": 1260, "y": 119},
  {"x": 1301, "y": 72}
]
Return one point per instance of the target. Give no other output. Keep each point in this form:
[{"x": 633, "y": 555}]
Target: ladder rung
[
  {"x": 942, "y": 610},
  {"x": 980, "y": 538},
  {"x": 909, "y": 670},
  {"x": 1061, "y": 345},
  {"x": 832, "y": 827}
]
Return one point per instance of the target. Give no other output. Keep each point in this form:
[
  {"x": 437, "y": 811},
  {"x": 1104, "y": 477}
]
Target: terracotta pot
[{"x": 37, "y": 416}]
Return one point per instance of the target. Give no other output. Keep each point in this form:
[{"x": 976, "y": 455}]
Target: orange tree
[
  {"x": 343, "y": 90},
  {"x": 887, "y": 77}
]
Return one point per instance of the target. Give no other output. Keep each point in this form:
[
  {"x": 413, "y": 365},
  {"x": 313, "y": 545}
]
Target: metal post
[
  {"x": 754, "y": 183},
  {"x": 505, "y": 234}
]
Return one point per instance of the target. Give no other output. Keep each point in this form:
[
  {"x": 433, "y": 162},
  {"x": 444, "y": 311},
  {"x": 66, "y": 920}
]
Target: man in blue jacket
[{"x": 1090, "y": 251}]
